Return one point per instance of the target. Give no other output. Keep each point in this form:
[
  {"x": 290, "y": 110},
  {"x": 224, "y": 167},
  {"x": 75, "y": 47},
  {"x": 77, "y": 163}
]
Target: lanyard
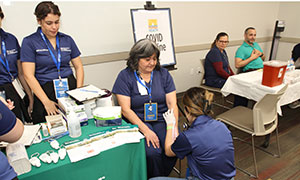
[
  {"x": 5, "y": 61},
  {"x": 148, "y": 89},
  {"x": 58, "y": 61}
]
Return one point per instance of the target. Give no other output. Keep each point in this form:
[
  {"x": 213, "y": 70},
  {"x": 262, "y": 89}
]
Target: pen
[
  {"x": 97, "y": 133},
  {"x": 70, "y": 142}
]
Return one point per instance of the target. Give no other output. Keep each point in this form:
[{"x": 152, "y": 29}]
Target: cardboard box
[{"x": 273, "y": 73}]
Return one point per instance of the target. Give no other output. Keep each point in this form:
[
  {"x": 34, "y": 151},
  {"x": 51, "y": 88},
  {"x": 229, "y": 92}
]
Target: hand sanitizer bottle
[{"x": 73, "y": 125}]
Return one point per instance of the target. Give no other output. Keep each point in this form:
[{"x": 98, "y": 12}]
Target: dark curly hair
[{"x": 44, "y": 8}]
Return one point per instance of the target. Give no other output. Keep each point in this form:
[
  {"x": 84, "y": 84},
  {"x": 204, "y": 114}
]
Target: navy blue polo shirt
[
  {"x": 162, "y": 84},
  {"x": 215, "y": 55},
  {"x": 209, "y": 149},
  {"x": 7, "y": 121},
  {"x": 35, "y": 50},
  {"x": 12, "y": 55}
]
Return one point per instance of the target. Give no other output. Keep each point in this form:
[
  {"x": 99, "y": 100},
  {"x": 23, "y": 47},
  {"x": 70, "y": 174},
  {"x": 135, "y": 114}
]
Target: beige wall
[
  {"x": 289, "y": 12},
  {"x": 103, "y": 32}
]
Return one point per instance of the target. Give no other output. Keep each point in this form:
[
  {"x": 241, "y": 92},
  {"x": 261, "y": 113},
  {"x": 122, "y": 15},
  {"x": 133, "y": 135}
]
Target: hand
[
  {"x": 29, "y": 109},
  {"x": 10, "y": 104},
  {"x": 169, "y": 117},
  {"x": 151, "y": 137},
  {"x": 255, "y": 54},
  {"x": 50, "y": 107}
]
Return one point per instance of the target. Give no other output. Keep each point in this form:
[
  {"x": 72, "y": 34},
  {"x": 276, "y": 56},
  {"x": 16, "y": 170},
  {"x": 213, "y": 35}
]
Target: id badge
[
  {"x": 150, "y": 112},
  {"x": 60, "y": 87},
  {"x": 18, "y": 88}
]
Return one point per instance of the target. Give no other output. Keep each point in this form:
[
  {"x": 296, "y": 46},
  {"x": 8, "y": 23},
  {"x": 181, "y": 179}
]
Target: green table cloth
[{"x": 124, "y": 162}]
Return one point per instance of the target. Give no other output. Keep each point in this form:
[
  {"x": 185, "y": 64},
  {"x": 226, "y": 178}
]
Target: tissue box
[
  {"x": 67, "y": 104},
  {"x": 273, "y": 73},
  {"x": 107, "y": 116}
]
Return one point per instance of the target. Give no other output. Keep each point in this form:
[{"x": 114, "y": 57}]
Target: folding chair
[
  {"x": 212, "y": 89},
  {"x": 260, "y": 121}
]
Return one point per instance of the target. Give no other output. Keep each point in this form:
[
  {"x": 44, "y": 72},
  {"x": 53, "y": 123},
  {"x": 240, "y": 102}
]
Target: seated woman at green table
[
  {"x": 207, "y": 143},
  {"x": 145, "y": 91}
]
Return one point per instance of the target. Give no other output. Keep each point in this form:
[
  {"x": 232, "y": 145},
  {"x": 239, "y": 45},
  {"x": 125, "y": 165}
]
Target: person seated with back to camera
[
  {"x": 11, "y": 130},
  {"x": 145, "y": 91},
  {"x": 217, "y": 68},
  {"x": 207, "y": 143}
]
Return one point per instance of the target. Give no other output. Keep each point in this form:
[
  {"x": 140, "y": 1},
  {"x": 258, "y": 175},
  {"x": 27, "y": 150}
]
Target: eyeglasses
[{"x": 225, "y": 42}]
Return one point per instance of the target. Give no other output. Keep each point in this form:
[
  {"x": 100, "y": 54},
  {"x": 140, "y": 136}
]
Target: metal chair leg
[
  {"x": 277, "y": 141},
  {"x": 254, "y": 157}
]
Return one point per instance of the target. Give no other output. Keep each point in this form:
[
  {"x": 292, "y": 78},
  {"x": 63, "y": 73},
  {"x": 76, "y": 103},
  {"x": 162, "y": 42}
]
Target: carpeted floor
[{"x": 287, "y": 167}]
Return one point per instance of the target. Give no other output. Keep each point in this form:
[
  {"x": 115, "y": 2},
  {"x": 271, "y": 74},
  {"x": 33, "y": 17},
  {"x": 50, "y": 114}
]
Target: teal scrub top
[{"x": 244, "y": 52}]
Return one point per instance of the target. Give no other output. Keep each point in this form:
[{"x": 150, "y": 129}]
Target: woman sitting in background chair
[
  {"x": 217, "y": 68},
  {"x": 207, "y": 143}
]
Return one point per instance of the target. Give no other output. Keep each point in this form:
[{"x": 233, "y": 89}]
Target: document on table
[
  {"x": 86, "y": 93},
  {"x": 97, "y": 144}
]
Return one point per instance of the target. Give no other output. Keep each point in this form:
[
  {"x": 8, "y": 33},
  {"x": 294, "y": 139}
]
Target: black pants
[
  {"x": 39, "y": 112},
  {"x": 20, "y": 109}
]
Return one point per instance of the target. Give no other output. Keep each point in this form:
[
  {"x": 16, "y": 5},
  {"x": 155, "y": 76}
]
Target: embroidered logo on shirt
[
  {"x": 11, "y": 51},
  {"x": 65, "y": 49},
  {"x": 41, "y": 50}
]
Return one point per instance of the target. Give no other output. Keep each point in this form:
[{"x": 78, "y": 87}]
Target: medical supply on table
[
  {"x": 273, "y": 73},
  {"x": 18, "y": 158},
  {"x": 45, "y": 158},
  {"x": 73, "y": 125},
  {"x": 67, "y": 104},
  {"x": 54, "y": 156},
  {"x": 292, "y": 77},
  {"x": 290, "y": 65},
  {"x": 56, "y": 136},
  {"x": 34, "y": 160},
  {"x": 54, "y": 144},
  {"x": 71, "y": 142},
  {"x": 107, "y": 116},
  {"x": 45, "y": 130},
  {"x": 105, "y": 100},
  {"x": 56, "y": 124},
  {"x": 62, "y": 152}
]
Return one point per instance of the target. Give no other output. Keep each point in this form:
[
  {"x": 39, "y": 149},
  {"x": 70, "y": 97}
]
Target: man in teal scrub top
[{"x": 249, "y": 55}]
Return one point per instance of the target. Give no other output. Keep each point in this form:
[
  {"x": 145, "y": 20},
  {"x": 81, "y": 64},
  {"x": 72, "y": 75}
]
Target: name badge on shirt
[
  {"x": 150, "y": 112},
  {"x": 18, "y": 88},
  {"x": 60, "y": 87}
]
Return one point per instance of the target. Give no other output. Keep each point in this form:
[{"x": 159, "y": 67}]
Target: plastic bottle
[
  {"x": 292, "y": 65},
  {"x": 73, "y": 125},
  {"x": 288, "y": 67}
]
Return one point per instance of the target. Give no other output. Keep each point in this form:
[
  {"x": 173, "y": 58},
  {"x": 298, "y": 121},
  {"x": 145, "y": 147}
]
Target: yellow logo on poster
[{"x": 152, "y": 24}]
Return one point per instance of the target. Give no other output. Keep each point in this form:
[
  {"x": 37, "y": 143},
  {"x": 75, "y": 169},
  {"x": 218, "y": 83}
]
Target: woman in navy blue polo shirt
[
  {"x": 207, "y": 143},
  {"x": 217, "y": 68},
  {"x": 45, "y": 57},
  {"x": 10, "y": 69},
  {"x": 145, "y": 91}
]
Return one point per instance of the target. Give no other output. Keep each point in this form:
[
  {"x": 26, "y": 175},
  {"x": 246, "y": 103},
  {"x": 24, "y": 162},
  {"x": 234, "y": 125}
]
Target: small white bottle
[
  {"x": 292, "y": 65},
  {"x": 73, "y": 125}
]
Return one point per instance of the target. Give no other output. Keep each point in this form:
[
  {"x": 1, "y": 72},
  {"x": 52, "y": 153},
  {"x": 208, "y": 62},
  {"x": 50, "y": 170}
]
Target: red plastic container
[{"x": 273, "y": 73}]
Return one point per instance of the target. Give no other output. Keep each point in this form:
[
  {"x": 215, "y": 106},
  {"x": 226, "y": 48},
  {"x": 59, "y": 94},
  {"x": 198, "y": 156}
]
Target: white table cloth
[{"x": 249, "y": 85}]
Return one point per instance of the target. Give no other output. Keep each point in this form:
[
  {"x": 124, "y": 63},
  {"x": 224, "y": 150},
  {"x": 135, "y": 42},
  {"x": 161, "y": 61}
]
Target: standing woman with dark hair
[
  {"x": 10, "y": 69},
  {"x": 207, "y": 143},
  {"x": 217, "y": 68},
  {"x": 145, "y": 91},
  {"x": 45, "y": 57}
]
